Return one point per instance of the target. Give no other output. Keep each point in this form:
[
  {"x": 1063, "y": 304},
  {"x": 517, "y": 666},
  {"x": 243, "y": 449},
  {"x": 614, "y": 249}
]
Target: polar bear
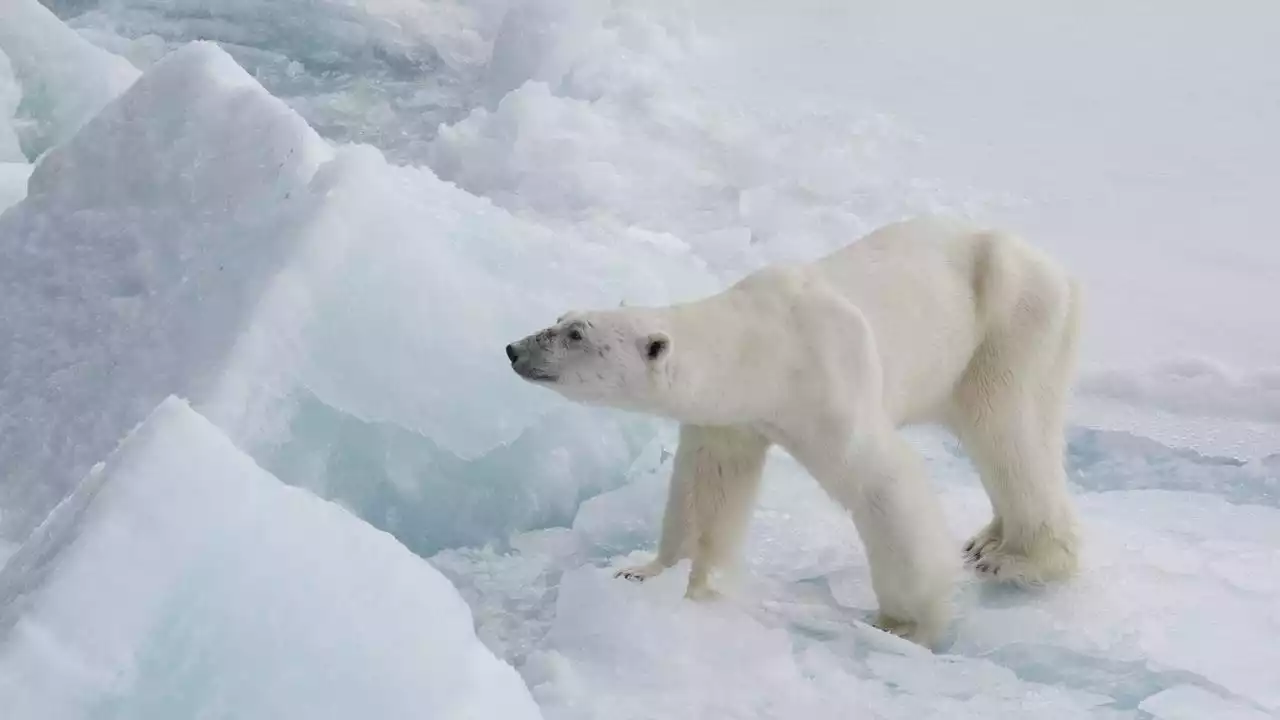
[{"x": 927, "y": 320}]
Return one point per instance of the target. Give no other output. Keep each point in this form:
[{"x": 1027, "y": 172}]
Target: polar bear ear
[{"x": 657, "y": 346}]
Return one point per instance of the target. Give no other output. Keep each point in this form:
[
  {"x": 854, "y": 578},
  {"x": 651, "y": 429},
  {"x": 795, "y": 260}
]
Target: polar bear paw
[
  {"x": 983, "y": 543},
  {"x": 925, "y": 633},
  {"x": 640, "y": 573},
  {"x": 1048, "y": 557},
  {"x": 894, "y": 626},
  {"x": 1007, "y": 567},
  {"x": 991, "y": 560}
]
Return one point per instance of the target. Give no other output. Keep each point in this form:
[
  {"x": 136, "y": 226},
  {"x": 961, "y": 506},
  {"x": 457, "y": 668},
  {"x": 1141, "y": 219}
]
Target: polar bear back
[{"x": 932, "y": 290}]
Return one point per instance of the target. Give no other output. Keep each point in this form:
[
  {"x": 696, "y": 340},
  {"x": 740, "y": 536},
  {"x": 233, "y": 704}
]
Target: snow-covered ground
[{"x": 318, "y": 221}]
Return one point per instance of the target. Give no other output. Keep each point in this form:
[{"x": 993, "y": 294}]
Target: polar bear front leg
[
  {"x": 881, "y": 481},
  {"x": 677, "y": 519},
  {"x": 728, "y": 466},
  {"x": 714, "y": 483}
]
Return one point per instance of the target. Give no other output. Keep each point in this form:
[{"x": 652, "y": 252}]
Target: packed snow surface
[{"x": 319, "y": 221}]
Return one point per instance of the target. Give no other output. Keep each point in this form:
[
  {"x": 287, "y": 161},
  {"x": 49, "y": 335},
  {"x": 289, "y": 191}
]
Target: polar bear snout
[{"x": 529, "y": 361}]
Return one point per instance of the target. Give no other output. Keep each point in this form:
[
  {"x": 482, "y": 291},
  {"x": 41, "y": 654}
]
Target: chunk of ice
[
  {"x": 181, "y": 580},
  {"x": 1188, "y": 702},
  {"x": 131, "y": 267},
  {"x": 13, "y": 183},
  {"x": 423, "y": 286},
  {"x": 10, "y": 96},
  {"x": 339, "y": 318},
  {"x": 65, "y": 79},
  {"x": 381, "y": 357}
]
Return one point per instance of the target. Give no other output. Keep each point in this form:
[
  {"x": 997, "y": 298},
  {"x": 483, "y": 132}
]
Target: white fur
[{"x": 922, "y": 321}]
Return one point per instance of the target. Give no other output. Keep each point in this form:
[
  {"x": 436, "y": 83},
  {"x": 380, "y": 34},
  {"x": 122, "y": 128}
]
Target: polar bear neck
[{"x": 708, "y": 378}]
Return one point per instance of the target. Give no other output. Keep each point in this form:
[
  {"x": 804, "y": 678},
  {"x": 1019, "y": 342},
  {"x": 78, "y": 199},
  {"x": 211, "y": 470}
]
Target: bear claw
[
  {"x": 639, "y": 573},
  {"x": 976, "y": 552},
  {"x": 981, "y": 545}
]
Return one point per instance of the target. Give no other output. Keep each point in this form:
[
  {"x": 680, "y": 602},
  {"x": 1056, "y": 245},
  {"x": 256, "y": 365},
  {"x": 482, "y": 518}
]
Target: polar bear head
[{"x": 616, "y": 358}]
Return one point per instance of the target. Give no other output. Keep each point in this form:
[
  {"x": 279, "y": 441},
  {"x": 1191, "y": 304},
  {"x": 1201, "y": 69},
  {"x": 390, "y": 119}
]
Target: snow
[
  {"x": 182, "y": 580},
  {"x": 1147, "y": 169},
  {"x": 1176, "y": 583},
  {"x": 613, "y": 142},
  {"x": 378, "y": 71},
  {"x": 321, "y": 222},
  {"x": 1196, "y": 387}
]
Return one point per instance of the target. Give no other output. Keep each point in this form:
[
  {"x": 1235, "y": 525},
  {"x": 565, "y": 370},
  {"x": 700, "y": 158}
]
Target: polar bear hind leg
[
  {"x": 882, "y": 483},
  {"x": 1009, "y": 413}
]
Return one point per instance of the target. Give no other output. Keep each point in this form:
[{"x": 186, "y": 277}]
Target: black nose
[{"x": 511, "y": 352}]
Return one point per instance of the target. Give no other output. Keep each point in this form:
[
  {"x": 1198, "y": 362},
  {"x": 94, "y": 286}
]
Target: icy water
[{"x": 317, "y": 222}]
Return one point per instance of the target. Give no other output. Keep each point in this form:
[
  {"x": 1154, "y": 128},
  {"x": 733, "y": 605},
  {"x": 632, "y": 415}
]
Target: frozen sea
[{"x": 261, "y": 455}]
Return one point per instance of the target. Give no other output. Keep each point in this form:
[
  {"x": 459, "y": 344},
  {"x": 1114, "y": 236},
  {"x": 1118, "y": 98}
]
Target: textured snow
[
  {"x": 336, "y": 312},
  {"x": 181, "y": 580},
  {"x": 609, "y": 141},
  {"x": 1194, "y": 386},
  {"x": 385, "y": 72}
]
